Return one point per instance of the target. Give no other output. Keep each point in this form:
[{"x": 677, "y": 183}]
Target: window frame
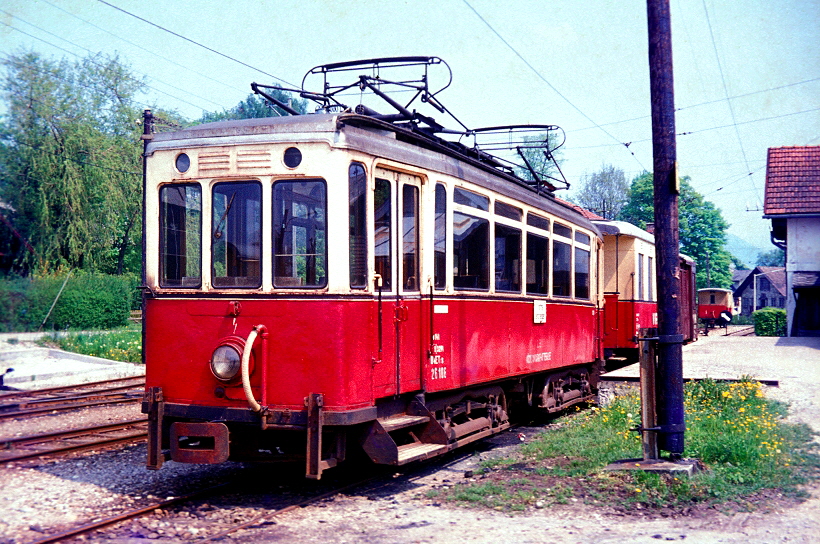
[
  {"x": 484, "y": 282},
  {"x": 320, "y": 258},
  {"x": 213, "y": 238},
  {"x": 161, "y": 237}
]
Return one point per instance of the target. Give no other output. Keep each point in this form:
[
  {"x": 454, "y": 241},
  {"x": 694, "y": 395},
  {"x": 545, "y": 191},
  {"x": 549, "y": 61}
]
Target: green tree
[
  {"x": 702, "y": 227},
  {"x": 545, "y": 164},
  {"x": 255, "y": 106},
  {"x": 775, "y": 257},
  {"x": 604, "y": 192},
  {"x": 737, "y": 264},
  {"x": 70, "y": 161}
]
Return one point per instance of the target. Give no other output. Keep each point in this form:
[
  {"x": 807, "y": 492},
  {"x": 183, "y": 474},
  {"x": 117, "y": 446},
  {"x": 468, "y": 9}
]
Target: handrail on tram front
[{"x": 245, "y": 367}]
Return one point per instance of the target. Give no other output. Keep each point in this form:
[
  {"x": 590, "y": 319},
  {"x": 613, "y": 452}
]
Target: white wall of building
[{"x": 802, "y": 255}]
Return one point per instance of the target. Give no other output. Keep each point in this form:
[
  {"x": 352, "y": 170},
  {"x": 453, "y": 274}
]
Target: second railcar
[{"x": 630, "y": 292}]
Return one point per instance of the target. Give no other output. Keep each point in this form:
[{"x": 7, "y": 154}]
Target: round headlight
[{"x": 225, "y": 362}]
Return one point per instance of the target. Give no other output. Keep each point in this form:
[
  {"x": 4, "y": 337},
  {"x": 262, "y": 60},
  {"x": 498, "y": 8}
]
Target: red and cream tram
[
  {"x": 318, "y": 285},
  {"x": 630, "y": 294}
]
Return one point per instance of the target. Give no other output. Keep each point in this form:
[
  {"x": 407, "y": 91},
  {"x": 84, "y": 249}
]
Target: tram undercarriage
[{"x": 395, "y": 432}]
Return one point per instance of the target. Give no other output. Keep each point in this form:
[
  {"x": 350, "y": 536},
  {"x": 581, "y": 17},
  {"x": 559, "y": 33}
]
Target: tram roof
[
  {"x": 380, "y": 138},
  {"x": 610, "y": 227}
]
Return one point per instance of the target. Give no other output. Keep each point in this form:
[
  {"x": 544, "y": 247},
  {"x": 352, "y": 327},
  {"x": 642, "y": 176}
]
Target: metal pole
[
  {"x": 53, "y": 304},
  {"x": 754, "y": 282},
  {"x": 669, "y": 377},
  {"x": 147, "y": 136}
]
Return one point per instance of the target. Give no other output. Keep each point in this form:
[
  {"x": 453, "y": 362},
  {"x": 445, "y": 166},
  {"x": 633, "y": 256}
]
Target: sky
[{"x": 747, "y": 73}]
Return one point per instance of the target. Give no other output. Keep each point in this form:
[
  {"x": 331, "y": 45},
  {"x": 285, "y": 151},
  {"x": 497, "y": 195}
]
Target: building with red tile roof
[{"x": 792, "y": 203}]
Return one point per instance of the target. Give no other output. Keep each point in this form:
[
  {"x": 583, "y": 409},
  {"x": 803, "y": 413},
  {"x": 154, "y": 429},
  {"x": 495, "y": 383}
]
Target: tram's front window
[
  {"x": 236, "y": 234},
  {"x": 180, "y": 239},
  {"x": 299, "y": 234}
]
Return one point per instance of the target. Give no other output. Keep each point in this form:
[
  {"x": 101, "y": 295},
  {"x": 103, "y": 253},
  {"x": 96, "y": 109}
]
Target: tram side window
[
  {"x": 537, "y": 221},
  {"x": 538, "y": 259},
  {"x": 650, "y": 271},
  {"x": 410, "y": 237},
  {"x": 640, "y": 277},
  {"x": 357, "y": 191},
  {"x": 507, "y": 258},
  {"x": 440, "y": 241},
  {"x": 236, "y": 247},
  {"x": 581, "y": 273},
  {"x": 180, "y": 241},
  {"x": 299, "y": 233},
  {"x": 562, "y": 230},
  {"x": 382, "y": 218},
  {"x": 561, "y": 269},
  {"x": 469, "y": 198},
  {"x": 471, "y": 252}
]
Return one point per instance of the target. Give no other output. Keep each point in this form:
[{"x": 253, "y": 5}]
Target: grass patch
[
  {"x": 118, "y": 345},
  {"x": 752, "y": 456}
]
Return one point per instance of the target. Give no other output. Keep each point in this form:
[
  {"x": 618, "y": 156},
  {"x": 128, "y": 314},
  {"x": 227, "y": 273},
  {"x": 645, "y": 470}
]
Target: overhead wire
[
  {"x": 78, "y": 56},
  {"x": 690, "y": 106},
  {"x": 550, "y": 85},
  {"x": 171, "y": 61},
  {"x": 726, "y": 90},
  {"x": 736, "y": 124},
  {"x": 135, "y": 16}
]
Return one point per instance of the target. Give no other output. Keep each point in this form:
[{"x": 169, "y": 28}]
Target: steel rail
[
  {"x": 8, "y": 444},
  {"x": 269, "y": 515},
  {"x": 747, "y": 331},
  {"x": 97, "y": 393},
  {"x": 88, "y": 527},
  {"x": 59, "y": 402},
  {"x": 12, "y": 394},
  {"x": 66, "y": 407},
  {"x": 100, "y": 524},
  {"x": 633, "y": 379}
]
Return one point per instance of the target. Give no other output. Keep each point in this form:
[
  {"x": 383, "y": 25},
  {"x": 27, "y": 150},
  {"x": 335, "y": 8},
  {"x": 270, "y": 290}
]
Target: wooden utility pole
[{"x": 669, "y": 375}]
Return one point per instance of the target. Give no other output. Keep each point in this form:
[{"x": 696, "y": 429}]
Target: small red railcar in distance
[{"x": 715, "y": 307}]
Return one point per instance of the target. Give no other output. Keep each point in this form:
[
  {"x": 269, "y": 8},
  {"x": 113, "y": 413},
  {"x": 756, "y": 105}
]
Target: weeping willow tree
[{"x": 70, "y": 162}]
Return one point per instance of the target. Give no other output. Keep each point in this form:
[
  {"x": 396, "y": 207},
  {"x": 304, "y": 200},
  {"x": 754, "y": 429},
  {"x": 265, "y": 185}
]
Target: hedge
[
  {"x": 89, "y": 301},
  {"x": 770, "y": 322}
]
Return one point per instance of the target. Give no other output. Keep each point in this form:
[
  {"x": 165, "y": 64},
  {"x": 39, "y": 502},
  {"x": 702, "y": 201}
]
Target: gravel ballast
[{"x": 44, "y": 497}]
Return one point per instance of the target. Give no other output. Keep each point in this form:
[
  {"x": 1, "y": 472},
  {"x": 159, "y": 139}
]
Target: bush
[
  {"x": 12, "y": 301},
  {"x": 770, "y": 322},
  {"x": 742, "y": 320},
  {"x": 89, "y": 301}
]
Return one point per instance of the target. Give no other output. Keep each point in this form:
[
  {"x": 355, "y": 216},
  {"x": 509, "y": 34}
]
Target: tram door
[{"x": 397, "y": 209}]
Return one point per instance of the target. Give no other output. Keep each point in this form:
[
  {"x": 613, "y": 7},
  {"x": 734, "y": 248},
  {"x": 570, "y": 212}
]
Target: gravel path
[{"x": 37, "y": 499}]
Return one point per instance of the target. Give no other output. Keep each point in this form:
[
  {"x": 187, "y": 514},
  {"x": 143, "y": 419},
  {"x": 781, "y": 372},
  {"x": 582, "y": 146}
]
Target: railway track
[
  {"x": 223, "y": 528},
  {"x": 745, "y": 331},
  {"x": 19, "y": 404},
  {"x": 220, "y": 532},
  {"x": 72, "y": 440}
]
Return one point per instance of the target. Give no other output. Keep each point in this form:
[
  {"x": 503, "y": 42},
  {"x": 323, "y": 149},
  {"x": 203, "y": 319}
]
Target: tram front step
[
  {"x": 419, "y": 450},
  {"x": 402, "y": 421}
]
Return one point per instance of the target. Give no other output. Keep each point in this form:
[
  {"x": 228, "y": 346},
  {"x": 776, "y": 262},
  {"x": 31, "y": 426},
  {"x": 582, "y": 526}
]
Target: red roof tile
[
  {"x": 792, "y": 180},
  {"x": 583, "y": 211}
]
